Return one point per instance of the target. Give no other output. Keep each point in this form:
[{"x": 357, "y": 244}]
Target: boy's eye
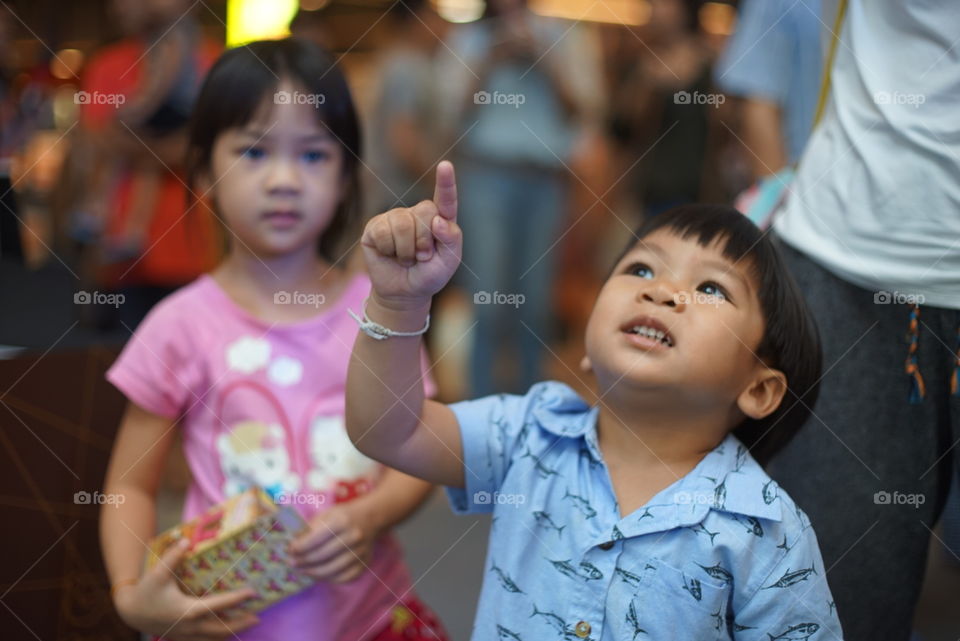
[
  {"x": 254, "y": 153},
  {"x": 639, "y": 269},
  {"x": 713, "y": 289},
  {"x": 315, "y": 155}
]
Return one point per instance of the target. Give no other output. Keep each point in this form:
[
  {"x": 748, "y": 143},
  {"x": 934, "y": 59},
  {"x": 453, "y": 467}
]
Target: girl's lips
[{"x": 282, "y": 219}]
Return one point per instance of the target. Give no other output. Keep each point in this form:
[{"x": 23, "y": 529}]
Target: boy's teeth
[{"x": 649, "y": 332}]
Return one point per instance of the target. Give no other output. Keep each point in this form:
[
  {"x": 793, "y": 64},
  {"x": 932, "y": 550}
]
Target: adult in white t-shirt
[
  {"x": 877, "y": 195},
  {"x": 871, "y": 229}
]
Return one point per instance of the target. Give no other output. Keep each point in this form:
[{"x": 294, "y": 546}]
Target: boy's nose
[{"x": 661, "y": 293}]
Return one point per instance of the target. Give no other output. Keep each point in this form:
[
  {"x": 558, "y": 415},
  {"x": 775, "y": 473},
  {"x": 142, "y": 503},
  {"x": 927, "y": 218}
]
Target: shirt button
[
  {"x": 606, "y": 546},
  {"x": 582, "y": 629}
]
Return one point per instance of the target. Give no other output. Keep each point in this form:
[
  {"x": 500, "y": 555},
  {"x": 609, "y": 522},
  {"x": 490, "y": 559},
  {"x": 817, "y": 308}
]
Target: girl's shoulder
[
  {"x": 354, "y": 267},
  {"x": 201, "y": 291},
  {"x": 184, "y": 308},
  {"x": 356, "y": 281}
]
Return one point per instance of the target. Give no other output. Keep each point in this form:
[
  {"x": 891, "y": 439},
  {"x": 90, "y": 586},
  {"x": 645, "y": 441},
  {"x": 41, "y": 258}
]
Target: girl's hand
[
  {"x": 338, "y": 545},
  {"x": 156, "y": 605},
  {"x": 411, "y": 253}
]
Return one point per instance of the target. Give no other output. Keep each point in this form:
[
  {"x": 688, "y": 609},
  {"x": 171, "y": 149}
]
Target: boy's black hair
[
  {"x": 244, "y": 79},
  {"x": 790, "y": 343}
]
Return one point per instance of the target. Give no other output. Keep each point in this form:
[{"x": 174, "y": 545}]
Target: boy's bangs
[{"x": 732, "y": 233}]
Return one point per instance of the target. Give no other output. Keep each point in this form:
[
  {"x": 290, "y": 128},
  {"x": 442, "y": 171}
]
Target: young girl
[
  {"x": 250, "y": 362},
  {"x": 643, "y": 516}
]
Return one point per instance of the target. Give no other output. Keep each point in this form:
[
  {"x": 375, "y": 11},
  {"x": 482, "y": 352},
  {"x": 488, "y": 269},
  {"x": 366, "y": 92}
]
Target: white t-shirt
[{"x": 877, "y": 194}]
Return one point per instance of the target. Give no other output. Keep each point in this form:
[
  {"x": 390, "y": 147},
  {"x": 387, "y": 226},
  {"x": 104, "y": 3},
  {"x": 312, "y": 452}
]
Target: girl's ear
[
  {"x": 585, "y": 365},
  {"x": 203, "y": 182},
  {"x": 764, "y": 394},
  {"x": 347, "y": 178}
]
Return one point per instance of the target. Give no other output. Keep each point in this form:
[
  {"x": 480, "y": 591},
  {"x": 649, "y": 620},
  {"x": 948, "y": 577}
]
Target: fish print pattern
[{"x": 565, "y": 564}]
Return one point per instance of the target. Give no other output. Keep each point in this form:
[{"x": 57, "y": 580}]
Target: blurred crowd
[
  {"x": 565, "y": 134},
  {"x": 591, "y": 127}
]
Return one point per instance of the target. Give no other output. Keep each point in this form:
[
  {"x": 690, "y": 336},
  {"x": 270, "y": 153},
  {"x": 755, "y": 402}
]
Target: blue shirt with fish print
[{"x": 722, "y": 553}]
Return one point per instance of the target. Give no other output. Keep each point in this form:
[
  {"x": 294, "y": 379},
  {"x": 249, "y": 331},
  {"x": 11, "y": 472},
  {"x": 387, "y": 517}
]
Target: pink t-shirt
[{"x": 263, "y": 404}]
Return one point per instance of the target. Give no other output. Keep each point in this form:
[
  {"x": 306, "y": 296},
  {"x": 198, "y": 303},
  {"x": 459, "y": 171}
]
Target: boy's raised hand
[{"x": 411, "y": 253}]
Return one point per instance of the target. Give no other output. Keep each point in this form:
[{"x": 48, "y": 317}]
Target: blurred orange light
[
  {"x": 717, "y": 18},
  {"x": 625, "y": 12},
  {"x": 66, "y": 64}
]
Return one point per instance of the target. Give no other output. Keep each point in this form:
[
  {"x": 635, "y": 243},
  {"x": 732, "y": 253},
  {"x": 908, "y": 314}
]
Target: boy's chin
[{"x": 633, "y": 377}]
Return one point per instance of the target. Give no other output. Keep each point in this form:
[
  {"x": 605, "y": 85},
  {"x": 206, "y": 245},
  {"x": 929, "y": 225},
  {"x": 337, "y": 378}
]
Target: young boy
[{"x": 643, "y": 516}]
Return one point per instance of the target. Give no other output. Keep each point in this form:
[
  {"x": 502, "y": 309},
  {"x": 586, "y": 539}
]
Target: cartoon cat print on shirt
[
  {"x": 335, "y": 463},
  {"x": 255, "y": 453},
  {"x": 264, "y": 445}
]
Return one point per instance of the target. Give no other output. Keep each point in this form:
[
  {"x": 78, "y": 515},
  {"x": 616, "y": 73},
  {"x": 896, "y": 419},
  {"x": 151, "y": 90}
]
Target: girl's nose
[{"x": 283, "y": 176}]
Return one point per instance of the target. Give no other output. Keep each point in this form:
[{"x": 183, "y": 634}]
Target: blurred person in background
[
  {"x": 773, "y": 63},
  {"x": 147, "y": 241},
  {"x": 662, "y": 109},
  {"x": 871, "y": 233},
  {"x": 313, "y": 25},
  {"x": 30, "y": 145},
  {"x": 11, "y": 248},
  {"x": 525, "y": 89},
  {"x": 158, "y": 108},
  {"x": 405, "y": 141}
]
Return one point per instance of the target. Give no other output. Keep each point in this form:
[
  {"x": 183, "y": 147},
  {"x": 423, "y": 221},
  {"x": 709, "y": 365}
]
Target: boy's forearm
[
  {"x": 395, "y": 498},
  {"x": 385, "y": 382}
]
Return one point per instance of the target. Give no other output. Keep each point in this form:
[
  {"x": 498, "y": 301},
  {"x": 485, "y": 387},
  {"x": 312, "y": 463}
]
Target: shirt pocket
[{"x": 675, "y": 603}]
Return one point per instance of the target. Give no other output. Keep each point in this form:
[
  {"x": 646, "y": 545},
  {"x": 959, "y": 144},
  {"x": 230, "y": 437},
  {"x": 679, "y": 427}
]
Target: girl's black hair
[
  {"x": 790, "y": 343},
  {"x": 244, "y": 79}
]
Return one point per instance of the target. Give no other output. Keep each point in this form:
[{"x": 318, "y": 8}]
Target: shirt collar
[{"x": 728, "y": 479}]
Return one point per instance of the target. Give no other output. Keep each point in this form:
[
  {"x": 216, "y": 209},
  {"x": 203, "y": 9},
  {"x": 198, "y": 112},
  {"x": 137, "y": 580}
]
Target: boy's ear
[
  {"x": 585, "y": 365},
  {"x": 764, "y": 394}
]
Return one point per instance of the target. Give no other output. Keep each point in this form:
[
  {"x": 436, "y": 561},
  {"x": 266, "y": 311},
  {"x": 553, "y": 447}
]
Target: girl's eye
[
  {"x": 639, "y": 269},
  {"x": 254, "y": 153},
  {"x": 713, "y": 289},
  {"x": 315, "y": 155}
]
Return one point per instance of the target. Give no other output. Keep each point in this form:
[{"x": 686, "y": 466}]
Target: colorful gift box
[{"x": 239, "y": 543}]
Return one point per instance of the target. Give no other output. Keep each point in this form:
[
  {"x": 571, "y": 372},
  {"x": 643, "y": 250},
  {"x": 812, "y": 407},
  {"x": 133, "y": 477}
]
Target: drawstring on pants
[
  {"x": 954, "y": 389},
  {"x": 917, "y": 388}
]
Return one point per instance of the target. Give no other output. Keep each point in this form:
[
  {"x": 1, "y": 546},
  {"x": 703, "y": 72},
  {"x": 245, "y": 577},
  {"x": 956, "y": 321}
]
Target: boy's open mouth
[{"x": 650, "y": 328}]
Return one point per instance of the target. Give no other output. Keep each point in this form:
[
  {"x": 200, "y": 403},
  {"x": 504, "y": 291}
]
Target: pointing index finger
[{"x": 445, "y": 194}]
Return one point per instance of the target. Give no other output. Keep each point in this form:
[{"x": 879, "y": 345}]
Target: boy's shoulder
[
  {"x": 547, "y": 410},
  {"x": 740, "y": 485},
  {"x": 549, "y": 401},
  {"x": 751, "y": 512}
]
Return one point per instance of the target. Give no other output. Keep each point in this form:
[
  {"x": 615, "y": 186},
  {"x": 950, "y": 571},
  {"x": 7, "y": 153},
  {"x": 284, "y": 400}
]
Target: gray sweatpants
[{"x": 871, "y": 469}]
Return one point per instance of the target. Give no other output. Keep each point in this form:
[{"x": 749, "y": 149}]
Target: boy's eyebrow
[
  {"x": 655, "y": 248},
  {"x": 725, "y": 267}
]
